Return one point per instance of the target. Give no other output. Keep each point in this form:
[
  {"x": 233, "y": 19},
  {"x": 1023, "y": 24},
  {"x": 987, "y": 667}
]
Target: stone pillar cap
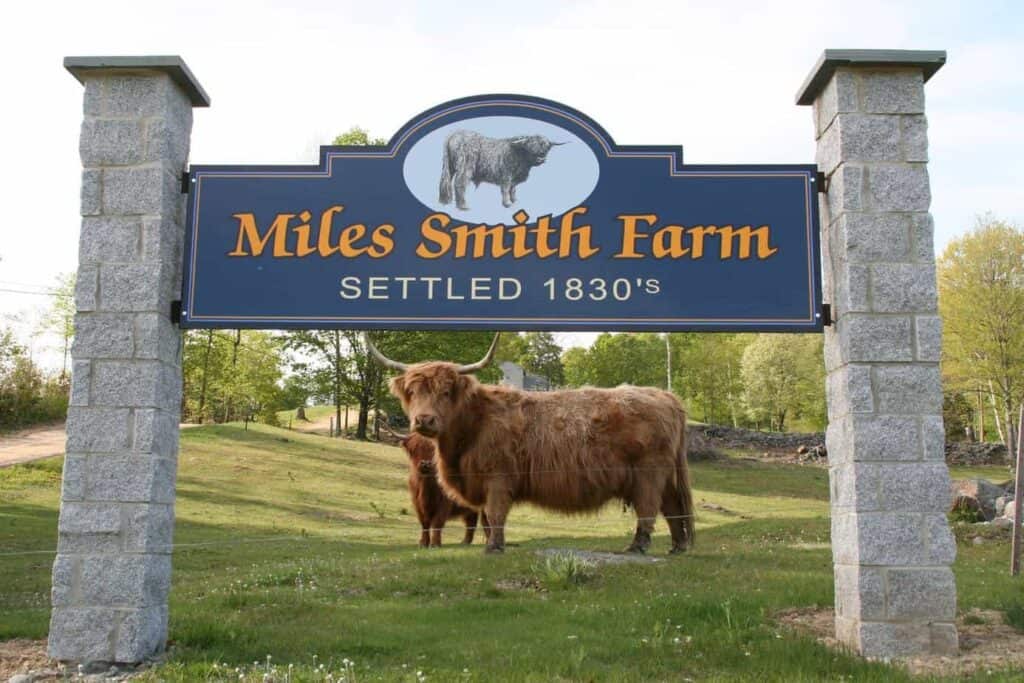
[
  {"x": 172, "y": 65},
  {"x": 929, "y": 62}
]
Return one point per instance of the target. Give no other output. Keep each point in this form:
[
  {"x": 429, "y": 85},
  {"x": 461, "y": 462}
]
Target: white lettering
[
  {"x": 503, "y": 285},
  {"x": 480, "y": 289},
  {"x": 350, "y": 288},
  {"x": 378, "y": 288},
  {"x": 451, "y": 294},
  {"x": 431, "y": 281}
]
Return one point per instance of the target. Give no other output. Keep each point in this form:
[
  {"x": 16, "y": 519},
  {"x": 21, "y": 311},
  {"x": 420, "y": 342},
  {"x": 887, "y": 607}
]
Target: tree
[
  {"x": 512, "y": 347},
  {"x": 60, "y": 318},
  {"x": 542, "y": 356},
  {"x": 200, "y": 360},
  {"x": 613, "y": 359},
  {"x": 783, "y": 376},
  {"x": 357, "y": 136},
  {"x": 229, "y": 375},
  {"x": 576, "y": 365},
  {"x": 981, "y": 300},
  {"x": 27, "y": 396},
  {"x": 957, "y": 416},
  {"x": 325, "y": 365},
  {"x": 706, "y": 369}
]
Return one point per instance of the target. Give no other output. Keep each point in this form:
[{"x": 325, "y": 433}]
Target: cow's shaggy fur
[
  {"x": 569, "y": 451},
  {"x": 505, "y": 162},
  {"x": 433, "y": 507}
]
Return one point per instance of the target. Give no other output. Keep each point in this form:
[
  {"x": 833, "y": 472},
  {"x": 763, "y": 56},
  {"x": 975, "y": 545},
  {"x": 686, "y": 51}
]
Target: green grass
[
  {"x": 1015, "y": 615},
  {"x": 297, "y": 546},
  {"x": 997, "y": 474},
  {"x": 313, "y": 413}
]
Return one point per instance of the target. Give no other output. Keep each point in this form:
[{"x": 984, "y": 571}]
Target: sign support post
[
  {"x": 112, "y": 573},
  {"x": 891, "y": 544}
]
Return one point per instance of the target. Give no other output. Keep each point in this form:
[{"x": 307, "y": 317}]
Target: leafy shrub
[
  {"x": 966, "y": 515},
  {"x": 27, "y": 396}
]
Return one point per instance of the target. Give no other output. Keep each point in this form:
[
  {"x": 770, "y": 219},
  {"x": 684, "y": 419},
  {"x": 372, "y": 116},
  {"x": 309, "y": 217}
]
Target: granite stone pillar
[
  {"x": 891, "y": 545},
  {"x": 112, "y": 573}
]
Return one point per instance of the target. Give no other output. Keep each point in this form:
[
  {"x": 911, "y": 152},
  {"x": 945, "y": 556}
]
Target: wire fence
[{"x": 413, "y": 529}]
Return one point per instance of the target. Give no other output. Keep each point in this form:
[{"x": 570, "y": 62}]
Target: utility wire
[{"x": 58, "y": 295}]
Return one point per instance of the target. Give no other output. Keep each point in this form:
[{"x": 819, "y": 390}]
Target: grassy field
[
  {"x": 313, "y": 413},
  {"x": 302, "y": 549}
]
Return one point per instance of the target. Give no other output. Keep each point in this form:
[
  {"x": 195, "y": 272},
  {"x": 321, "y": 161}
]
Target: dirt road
[{"x": 31, "y": 444}]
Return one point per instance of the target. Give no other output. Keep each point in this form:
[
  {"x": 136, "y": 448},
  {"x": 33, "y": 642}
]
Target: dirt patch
[
  {"x": 715, "y": 507},
  {"x": 19, "y": 656},
  {"x": 32, "y": 444},
  {"x": 518, "y": 584},
  {"x": 987, "y": 642}
]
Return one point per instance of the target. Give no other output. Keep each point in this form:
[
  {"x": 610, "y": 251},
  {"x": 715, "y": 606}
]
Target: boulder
[
  {"x": 982, "y": 491},
  {"x": 1001, "y": 503},
  {"x": 698, "y": 446}
]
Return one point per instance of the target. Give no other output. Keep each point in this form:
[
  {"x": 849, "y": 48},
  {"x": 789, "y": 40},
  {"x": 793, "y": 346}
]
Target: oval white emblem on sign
[{"x": 485, "y": 169}]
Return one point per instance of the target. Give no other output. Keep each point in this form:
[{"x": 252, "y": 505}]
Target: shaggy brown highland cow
[{"x": 569, "y": 451}]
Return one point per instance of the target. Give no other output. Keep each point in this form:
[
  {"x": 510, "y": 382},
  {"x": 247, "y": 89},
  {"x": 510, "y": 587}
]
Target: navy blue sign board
[{"x": 503, "y": 212}]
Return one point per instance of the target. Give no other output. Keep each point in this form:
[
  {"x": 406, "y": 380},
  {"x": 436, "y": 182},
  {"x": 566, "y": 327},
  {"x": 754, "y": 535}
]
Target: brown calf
[{"x": 433, "y": 507}]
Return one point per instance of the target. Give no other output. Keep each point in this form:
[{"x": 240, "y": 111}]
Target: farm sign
[{"x": 503, "y": 212}]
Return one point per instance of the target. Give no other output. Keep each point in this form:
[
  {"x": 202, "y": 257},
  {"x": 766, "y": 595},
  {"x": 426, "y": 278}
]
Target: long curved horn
[
  {"x": 555, "y": 144},
  {"x": 484, "y": 362},
  {"x": 381, "y": 358},
  {"x": 392, "y": 432}
]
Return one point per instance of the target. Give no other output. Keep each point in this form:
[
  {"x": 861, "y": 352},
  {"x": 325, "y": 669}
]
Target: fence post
[{"x": 1018, "y": 491}]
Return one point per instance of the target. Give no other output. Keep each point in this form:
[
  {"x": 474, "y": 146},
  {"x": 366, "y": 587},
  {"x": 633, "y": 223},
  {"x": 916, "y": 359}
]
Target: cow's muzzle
[{"x": 426, "y": 424}]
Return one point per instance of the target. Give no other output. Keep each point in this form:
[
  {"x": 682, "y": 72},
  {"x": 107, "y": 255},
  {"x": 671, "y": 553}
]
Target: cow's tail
[
  {"x": 444, "y": 192},
  {"x": 683, "y": 484}
]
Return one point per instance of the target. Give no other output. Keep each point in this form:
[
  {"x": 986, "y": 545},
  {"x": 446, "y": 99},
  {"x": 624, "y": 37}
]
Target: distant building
[{"x": 514, "y": 376}]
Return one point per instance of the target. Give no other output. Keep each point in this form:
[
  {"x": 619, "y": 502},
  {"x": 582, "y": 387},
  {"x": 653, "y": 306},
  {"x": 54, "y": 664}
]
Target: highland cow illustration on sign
[
  {"x": 485, "y": 169},
  {"x": 471, "y": 157}
]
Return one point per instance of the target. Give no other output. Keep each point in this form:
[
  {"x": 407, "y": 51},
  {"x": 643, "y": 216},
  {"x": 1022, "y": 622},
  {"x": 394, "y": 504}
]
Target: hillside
[{"x": 295, "y": 546}]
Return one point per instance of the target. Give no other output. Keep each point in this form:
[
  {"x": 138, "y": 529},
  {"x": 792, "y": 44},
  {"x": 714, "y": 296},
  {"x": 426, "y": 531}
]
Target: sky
[{"x": 718, "y": 78}]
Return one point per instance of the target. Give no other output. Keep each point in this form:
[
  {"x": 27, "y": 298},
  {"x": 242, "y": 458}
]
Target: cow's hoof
[
  {"x": 677, "y": 550},
  {"x": 494, "y": 550},
  {"x": 462, "y": 207},
  {"x": 636, "y": 550}
]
